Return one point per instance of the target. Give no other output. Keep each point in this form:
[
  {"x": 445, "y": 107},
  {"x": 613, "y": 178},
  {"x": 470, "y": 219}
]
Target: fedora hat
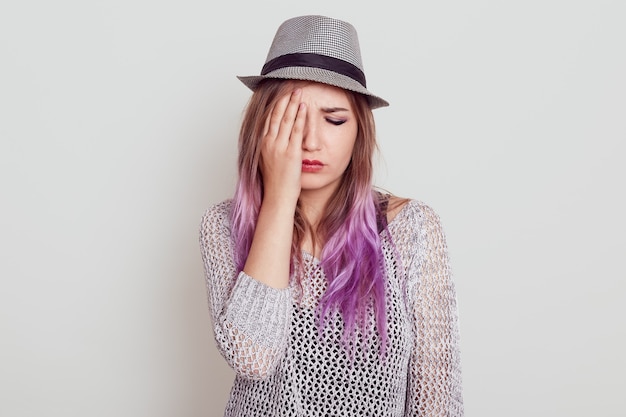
[{"x": 316, "y": 48}]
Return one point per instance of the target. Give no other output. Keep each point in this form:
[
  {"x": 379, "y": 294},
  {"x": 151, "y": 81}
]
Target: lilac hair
[{"x": 351, "y": 258}]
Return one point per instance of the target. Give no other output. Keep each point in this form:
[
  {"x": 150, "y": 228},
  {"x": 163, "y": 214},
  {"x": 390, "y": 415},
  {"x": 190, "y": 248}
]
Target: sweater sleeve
[
  {"x": 435, "y": 366},
  {"x": 250, "y": 319}
]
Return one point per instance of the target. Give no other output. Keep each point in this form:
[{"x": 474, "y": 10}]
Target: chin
[{"x": 312, "y": 186}]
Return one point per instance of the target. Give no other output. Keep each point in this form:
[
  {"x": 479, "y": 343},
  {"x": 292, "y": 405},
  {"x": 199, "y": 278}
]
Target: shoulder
[
  {"x": 411, "y": 211},
  {"x": 417, "y": 225},
  {"x": 216, "y": 218},
  {"x": 418, "y": 235},
  {"x": 219, "y": 209}
]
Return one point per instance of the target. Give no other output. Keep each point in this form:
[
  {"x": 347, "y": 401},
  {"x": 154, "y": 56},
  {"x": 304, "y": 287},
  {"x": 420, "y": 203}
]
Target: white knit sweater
[{"x": 284, "y": 368}]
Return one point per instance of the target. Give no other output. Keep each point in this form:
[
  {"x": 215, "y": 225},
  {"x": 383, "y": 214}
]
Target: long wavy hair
[{"x": 348, "y": 233}]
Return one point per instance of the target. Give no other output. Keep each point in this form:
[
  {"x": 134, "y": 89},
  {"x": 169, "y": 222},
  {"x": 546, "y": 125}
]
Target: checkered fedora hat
[{"x": 316, "y": 48}]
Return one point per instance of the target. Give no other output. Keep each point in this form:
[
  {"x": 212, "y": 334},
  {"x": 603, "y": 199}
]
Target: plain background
[{"x": 118, "y": 124}]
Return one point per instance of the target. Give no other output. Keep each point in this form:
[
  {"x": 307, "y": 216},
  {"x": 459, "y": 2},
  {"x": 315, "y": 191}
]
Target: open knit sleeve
[
  {"x": 435, "y": 367},
  {"x": 250, "y": 319}
]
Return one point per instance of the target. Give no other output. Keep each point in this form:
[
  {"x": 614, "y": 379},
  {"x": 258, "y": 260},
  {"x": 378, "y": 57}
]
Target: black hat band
[{"x": 315, "y": 61}]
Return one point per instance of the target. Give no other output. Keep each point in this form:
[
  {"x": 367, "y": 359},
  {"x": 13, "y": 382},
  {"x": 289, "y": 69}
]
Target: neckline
[{"x": 309, "y": 255}]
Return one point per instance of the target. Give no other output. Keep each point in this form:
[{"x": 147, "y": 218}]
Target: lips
[{"x": 311, "y": 165}]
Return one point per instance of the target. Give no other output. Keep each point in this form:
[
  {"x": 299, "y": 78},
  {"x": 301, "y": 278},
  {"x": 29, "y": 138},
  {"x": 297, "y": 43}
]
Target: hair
[{"x": 348, "y": 233}]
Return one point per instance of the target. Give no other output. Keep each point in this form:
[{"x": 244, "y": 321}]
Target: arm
[
  {"x": 251, "y": 309},
  {"x": 281, "y": 165},
  {"x": 250, "y": 319},
  {"x": 435, "y": 367}
]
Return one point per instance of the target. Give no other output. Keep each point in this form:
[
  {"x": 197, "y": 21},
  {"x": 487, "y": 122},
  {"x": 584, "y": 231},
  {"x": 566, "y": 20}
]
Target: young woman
[{"x": 327, "y": 296}]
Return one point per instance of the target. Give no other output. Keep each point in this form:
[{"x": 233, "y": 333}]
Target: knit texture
[{"x": 285, "y": 367}]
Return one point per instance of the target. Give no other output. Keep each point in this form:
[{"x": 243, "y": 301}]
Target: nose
[{"x": 310, "y": 138}]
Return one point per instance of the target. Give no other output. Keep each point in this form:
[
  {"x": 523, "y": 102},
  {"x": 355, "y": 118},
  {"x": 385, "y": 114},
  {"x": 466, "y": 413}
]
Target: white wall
[{"x": 118, "y": 123}]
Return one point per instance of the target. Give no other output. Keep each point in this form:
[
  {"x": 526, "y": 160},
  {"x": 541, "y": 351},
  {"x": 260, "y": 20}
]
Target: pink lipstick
[{"x": 311, "y": 166}]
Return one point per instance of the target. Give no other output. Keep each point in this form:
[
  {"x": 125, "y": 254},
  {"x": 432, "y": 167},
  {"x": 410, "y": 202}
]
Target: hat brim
[{"x": 318, "y": 75}]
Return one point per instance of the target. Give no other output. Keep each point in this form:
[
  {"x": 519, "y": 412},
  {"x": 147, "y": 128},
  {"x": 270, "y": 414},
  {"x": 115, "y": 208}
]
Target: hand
[{"x": 281, "y": 148}]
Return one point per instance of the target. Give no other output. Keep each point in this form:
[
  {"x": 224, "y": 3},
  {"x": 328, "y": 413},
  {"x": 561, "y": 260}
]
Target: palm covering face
[{"x": 281, "y": 149}]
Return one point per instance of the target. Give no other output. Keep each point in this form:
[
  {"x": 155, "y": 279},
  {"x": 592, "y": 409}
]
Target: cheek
[
  {"x": 345, "y": 155},
  {"x": 340, "y": 145},
  {"x": 349, "y": 145}
]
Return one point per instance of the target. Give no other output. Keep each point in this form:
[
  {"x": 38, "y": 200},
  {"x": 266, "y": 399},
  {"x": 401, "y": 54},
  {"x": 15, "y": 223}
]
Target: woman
[{"x": 328, "y": 298}]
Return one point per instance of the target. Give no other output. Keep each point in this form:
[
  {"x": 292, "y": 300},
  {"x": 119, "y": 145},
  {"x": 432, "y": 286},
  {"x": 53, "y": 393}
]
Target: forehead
[{"x": 323, "y": 94}]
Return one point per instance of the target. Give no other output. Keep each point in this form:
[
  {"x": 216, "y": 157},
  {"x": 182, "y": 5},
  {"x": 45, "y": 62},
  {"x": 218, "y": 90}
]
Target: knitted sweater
[{"x": 285, "y": 367}]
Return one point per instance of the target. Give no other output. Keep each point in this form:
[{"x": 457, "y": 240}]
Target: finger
[
  {"x": 289, "y": 118},
  {"x": 297, "y": 131},
  {"x": 276, "y": 116},
  {"x": 266, "y": 126}
]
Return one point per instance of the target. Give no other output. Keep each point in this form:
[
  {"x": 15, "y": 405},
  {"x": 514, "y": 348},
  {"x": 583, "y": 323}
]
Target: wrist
[{"x": 281, "y": 200}]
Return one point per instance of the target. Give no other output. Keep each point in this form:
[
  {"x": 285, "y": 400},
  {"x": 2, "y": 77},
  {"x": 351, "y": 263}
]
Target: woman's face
[{"x": 329, "y": 135}]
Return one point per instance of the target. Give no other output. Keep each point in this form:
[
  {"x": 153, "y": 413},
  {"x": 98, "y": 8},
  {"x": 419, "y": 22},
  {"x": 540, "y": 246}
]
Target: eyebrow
[{"x": 333, "y": 109}]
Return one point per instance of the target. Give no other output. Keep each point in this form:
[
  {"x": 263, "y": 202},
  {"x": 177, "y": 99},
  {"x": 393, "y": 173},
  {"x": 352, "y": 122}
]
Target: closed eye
[{"x": 336, "y": 122}]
